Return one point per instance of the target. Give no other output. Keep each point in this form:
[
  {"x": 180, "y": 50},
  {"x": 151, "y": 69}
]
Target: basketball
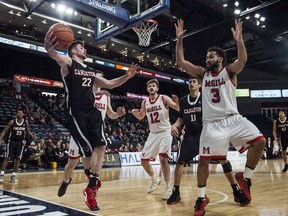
[{"x": 64, "y": 35}]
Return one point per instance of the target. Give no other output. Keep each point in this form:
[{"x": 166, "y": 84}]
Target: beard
[
  {"x": 212, "y": 66},
  {"x": 152, "y": 93}
]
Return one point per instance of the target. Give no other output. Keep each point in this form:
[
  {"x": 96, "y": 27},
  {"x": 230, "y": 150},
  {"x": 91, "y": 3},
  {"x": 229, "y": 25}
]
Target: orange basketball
[{"x": 64, "y": 35}]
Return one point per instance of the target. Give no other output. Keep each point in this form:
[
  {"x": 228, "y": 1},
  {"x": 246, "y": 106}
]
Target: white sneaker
[
  {"x": 1, "y": 178},
  {"x": 167, "y": 194},
  {"x": 153, "y": 185},
  {"x": 13, "y": 179}
]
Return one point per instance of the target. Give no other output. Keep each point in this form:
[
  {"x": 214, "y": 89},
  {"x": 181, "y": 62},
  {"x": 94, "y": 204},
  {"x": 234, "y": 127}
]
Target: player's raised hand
[
  {"x": 49, "y": 41},
  {"x": 132, "y": 71},
  {"x": 179, "y": 27},
  {"x": 237, "y": 31},
  {"x": 121, "y": 111}
]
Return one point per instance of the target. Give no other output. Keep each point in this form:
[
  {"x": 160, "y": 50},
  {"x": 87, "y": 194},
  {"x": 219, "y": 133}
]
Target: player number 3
[{"x": 216, "y": 95}]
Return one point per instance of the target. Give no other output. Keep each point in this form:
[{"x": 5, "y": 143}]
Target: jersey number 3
[
  {"x": 86, "y": 82},
  {"x": 154, "y": 117},
  {"x": 216, "y": 95}
]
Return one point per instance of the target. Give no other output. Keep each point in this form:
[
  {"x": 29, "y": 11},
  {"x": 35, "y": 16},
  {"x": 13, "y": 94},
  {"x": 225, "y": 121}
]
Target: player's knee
[{"x": 227, "y": 167}]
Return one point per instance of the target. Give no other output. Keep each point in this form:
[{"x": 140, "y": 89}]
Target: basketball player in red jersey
[
  {"x": 102, "y": 103},
  {"x": 222, "y": 122},
  {"x": 280, "y": 125},
  {"x": 156, "y": 108},
  {"x": 84, "y": 120}
]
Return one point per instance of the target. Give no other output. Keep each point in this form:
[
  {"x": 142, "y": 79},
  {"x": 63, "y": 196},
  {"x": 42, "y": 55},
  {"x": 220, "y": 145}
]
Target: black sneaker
[
  {"x": 174, "y": 198},
  {"x": 199, "y": 208},
  {"x": 239, "y": 197},
  {"x": 63, "y": 187},
  {"x": 245, "y": 185},
  {"x": 285, "y": 168}
]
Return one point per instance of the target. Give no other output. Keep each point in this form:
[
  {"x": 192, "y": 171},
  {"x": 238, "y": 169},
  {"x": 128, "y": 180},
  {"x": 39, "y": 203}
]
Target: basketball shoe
[
  {"x": 245, "y": 185},
  {"x": 239, "y": 197},
  {"x": 63, "y": 187},
  {"x": 174, "y": 198},
  {"x": 285, "y": 168},
  {"x": 13, "y": 179},
  {"x": 153, "y": 185},
  {"x": 200, "y": 205},
  {"x": 166, "y": 194},
  {"x": 90, "y": 196}
]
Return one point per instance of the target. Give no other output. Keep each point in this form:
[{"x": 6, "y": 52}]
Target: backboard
[{"x": 138, "y": 11}]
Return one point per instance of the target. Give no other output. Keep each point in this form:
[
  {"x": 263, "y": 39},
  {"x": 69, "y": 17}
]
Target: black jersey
[
  {"x": 78, "y": 87},
  {"x": 282, "y": 127},
  {"x": 18, "y": 131},
  {"x": 191, "y": 112}
]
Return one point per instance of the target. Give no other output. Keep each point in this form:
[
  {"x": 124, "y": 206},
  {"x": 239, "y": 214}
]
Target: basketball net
[{"x": 144, "y": 31}]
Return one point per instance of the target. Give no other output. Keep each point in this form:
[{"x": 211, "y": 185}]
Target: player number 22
[
  {"x": 154, "y": 117},
  {"x": 86, "y": 82},
  {"x": 216, "y": 95}
]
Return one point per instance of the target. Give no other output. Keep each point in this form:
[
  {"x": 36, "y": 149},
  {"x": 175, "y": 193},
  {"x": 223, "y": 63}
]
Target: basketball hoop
[{"x": 144, "y": 31}]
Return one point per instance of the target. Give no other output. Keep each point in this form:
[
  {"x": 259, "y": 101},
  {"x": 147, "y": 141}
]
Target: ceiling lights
[{"x": 61, "y": 8}]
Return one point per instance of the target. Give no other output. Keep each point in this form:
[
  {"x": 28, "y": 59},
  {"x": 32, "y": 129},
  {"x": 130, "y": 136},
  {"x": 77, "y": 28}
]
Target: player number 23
[
  {"x": 215, "y": 95},
  {"x": 86, "y": 82}
]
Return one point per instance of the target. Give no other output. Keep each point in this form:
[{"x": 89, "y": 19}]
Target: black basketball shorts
[
  {"x": 87, "y": 129},
  {"x": 189, "y": 147}
]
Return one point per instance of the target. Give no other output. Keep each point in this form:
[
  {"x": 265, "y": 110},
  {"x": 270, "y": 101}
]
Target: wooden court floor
[{"x": 124, "y": 193}]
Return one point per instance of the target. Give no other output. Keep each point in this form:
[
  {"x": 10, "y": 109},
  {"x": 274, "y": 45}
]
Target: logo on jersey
[
  {"x": 213, "y": 83},
  {"x": 154, "y": 108},
  {"x": 85, "y": 73},
  {"x": 206, "y": 150},
  {"x": 100, "y": 106}
]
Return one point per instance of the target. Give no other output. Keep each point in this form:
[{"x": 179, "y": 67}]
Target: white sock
[
  {"x": 248, "y": 173},
  {"x": 66, "y": 181},
  {"x": 201, "y": 192},
  {"x": 167, "y": 185},
  {"x": 2, "y": 172}
]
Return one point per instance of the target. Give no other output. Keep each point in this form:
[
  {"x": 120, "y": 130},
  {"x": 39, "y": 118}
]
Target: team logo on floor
[{"x": 17, "y": 204}]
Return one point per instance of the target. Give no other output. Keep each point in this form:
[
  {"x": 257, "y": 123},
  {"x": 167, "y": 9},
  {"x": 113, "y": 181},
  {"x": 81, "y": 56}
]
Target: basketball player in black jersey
[
  {"x": 83, "y": 119},
  {"x": 280, "y": 126},
  {"x": 17, "y": 139},
  {"x": 190, "y": 116}
]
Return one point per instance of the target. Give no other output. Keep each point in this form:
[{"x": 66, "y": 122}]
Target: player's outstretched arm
[
  {"x": 49, "y": 44},
  {"x": 173, "y": 103},
  {"x": 8, "y": 126},
  {"x": 237, "y": 66},
  {"x": 112, "y": 114},
  {"x": 139, "y": 114},
  {"x": 180, "y": 59},
  {"x": 110, "y": 84}
]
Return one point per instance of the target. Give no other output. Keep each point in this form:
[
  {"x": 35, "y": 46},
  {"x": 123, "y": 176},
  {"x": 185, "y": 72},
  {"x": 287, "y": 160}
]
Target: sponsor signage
[
  {"x": 242, "y": 93},
  {"x": 132, "y": 95},
  {"x": 284, "y": 92},
  {"x": 112, "y": 160},
  {"x": 133, "y": 159},
  {"x": 265, "y": 93},
  {"x": 38, "y": 81}
]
